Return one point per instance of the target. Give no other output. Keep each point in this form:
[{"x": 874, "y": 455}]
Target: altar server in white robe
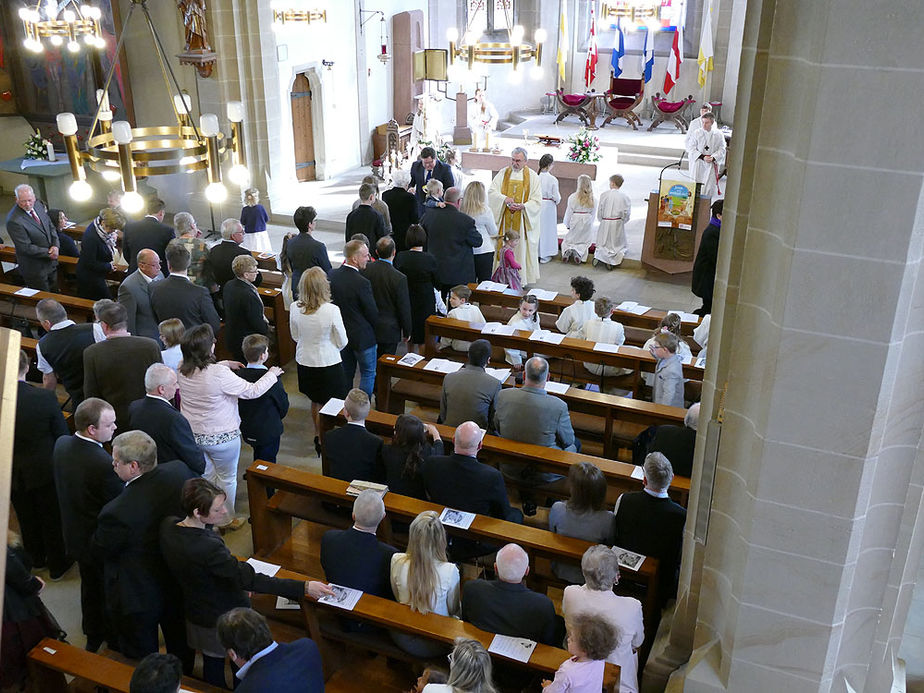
[
  {"x": 548, "y": 217},
  {"x": 482, "y": 121},
  {"x": 697, "y": 123},
  {"x": 579, "y": 219},
  {"x": 706, "y": 150},
  {"x": 515, "y": 198},
  {"x": 613, "y": 213}
]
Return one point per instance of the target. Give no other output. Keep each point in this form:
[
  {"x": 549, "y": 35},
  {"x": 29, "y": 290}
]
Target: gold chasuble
[{"x": 523, "y": 187}]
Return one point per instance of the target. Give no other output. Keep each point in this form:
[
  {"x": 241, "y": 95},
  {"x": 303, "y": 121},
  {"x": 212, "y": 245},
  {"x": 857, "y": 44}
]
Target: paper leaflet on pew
[
  {"x": 333, "y": 407},
  {"x": 633, "y": 307},
  {"x": 497, "y": 328},
  {"x": 499, "y": 373},
  {"x": 262, "y": 567},
  {"x": 546, "y": 336},
  {"x": 457, "y": 518},
  {"x": 686, "y": 317},
  {"x": 556, "y": 388},
  {"x": 488, "y": 285},
  {"x": 517, "y": 649},
  {"x": 543, "y": 295},
  {"x": 628, "y": 559},
  {"x": 343, "y": 597},
  {"x": 286, "y": 604},
  {"x": 410, "y": 359},
  {"x": 357, "y": 486},
  {"x": 26, "y": 292},
  {"x": 443, "y": 366}
]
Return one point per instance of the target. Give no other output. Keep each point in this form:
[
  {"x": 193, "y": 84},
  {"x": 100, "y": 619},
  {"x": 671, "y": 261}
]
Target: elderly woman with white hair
[
  {"x": 402, "y": 206},
  {"x": 188, "y": 234},
  {"x": 469, "y": 670},
  {"x": 243, "y": 306},
  {"x": 595, "y": 597}
]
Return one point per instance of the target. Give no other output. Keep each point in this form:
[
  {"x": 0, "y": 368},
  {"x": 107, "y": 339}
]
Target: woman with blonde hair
[
  {"x": 475, "y": 204},
  {"x": 254, "y": 219},
  {"x": 319, "y": 334},
  {"x": 469, "y": 670},
  {"x": 423, "y": 579},
  {"x": 97, "y": 249},
  {"x": 579, "y": 220}
]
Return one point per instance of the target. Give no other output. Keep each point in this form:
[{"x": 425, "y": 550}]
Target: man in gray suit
[
  {"x": 135, "y": 295},
  {"x": 36, "y": 240},
  {"x": 469, "y": 393}
]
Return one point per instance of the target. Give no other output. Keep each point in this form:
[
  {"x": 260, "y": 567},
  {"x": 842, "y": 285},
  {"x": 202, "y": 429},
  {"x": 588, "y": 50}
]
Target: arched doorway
[{"x": 302, "y": 129}]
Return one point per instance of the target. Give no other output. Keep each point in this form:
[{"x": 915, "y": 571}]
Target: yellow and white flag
[
  {"x": 705, "y": 46},
  {"x": 562, "y": 46}
]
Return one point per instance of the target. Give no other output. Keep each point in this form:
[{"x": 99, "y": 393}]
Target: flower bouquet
[
  {"x": 584, "y": 148},
  {"x": 36, "y": 147}
]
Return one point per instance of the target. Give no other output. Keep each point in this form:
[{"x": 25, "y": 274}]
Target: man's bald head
[
  {"x": 511, "y": 564},
  {"x": 452, "y": 196},
  {"x": 468, "y": 438},
  {"x": 148, "y": 262}
]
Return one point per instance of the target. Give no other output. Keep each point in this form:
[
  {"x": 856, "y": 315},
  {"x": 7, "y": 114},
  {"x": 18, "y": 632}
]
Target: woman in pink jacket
[{"x": 209, "y": 392}]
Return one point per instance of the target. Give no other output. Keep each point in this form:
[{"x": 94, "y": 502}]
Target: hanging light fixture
[
  {"x": 477, "y": 54},
  {"x": 62, "y": 24},
  {"x": 121, "y": 152},
  {"x": 637, "y": 12},
  {"x": 383, "y": 36}
]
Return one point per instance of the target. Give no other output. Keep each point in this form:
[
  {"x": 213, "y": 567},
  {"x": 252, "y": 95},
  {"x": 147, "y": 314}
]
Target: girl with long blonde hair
[
  {"x": 579, "y": 219},
  {"x": 475, "y": 204}
]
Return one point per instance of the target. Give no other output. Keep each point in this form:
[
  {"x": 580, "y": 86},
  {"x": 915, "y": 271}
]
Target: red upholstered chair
[
  {"x": 677, "y": 111},
  {"x": 622, "y": 96},
  {"x": 574, "y": 104}
]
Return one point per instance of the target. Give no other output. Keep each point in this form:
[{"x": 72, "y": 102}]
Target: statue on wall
[{"x": 198, "y": 52}]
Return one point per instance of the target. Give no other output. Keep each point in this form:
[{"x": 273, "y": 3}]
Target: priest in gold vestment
[{"x": 515, "y": 199}]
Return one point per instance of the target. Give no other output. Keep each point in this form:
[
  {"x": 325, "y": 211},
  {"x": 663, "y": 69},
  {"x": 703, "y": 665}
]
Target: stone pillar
[
  {"x": 406, "y": 38},
  {"x": 461, "y": 133},
  {"x": 802, "y": 577}
]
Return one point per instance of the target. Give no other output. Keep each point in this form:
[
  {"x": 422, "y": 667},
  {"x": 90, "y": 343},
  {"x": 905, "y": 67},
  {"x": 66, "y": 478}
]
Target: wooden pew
[
  {"x": 576, "y": 351},
  {"x": 495, "y": 449},
  {"x": 296, "y": 489},
  {"x": 323, "y": 624},
  {"x": 648, "y": 321},
  {"x": 78, "y": 309},
  {"x": 52, "y": 660},
  {"x": 622, "y": 418}
]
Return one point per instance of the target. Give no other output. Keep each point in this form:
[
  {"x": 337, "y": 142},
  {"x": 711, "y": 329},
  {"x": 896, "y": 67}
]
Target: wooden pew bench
[
  {"x": 301, "y": 494},
  {"x": 323, "y": 623},
  {"x": 52, "y": 660},
  {"x": 495, "y": 450},
  {"x": 614, "y": 420}
]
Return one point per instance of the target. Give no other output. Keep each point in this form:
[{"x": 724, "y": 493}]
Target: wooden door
[{"x": 301, "y": 126}]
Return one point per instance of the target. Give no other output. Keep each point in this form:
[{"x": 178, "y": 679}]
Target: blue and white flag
[
  {"x": 648, "y": 55},
  {"x": 619, "y": 50}
]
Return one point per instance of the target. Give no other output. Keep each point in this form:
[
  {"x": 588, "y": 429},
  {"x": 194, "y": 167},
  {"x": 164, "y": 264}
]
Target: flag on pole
[
  {"x": 648, "y": 55},
  {"x": 590, "y": 67},
  {"x": 619, "y": 50},
  {"x": 705, "y": 46},
  {"x": 562, "y": 45},
  {"x": 673, "y": 62}
]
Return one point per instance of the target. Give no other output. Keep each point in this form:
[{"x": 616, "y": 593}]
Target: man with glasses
[{"x": 135, "y": 295}]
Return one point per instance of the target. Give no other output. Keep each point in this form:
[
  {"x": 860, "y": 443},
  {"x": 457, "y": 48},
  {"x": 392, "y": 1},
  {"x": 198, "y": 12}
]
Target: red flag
[
  {"x": 673, "y": 64},
  {"x": 590, "y": 67}
]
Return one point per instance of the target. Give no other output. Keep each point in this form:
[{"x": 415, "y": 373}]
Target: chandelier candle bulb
[
  {"x": 122, "y": 132},
  {"x": 67, "y": 124},
  {"x": 235, "y": 111},
  {"x": 208, "y": 124}
]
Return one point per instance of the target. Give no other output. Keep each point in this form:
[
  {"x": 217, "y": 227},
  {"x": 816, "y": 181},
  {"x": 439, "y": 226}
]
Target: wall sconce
[{"x": 327, "y": 63}]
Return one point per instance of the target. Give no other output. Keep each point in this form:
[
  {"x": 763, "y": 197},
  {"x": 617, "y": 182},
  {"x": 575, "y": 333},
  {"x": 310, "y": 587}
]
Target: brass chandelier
[
  {"x": 282, "y": 15},
  {"x": 61, "y": 27},
  {"x": 120, "y": 152}
]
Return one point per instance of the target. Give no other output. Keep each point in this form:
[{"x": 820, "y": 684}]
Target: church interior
[{"x": 802, "y": 548}]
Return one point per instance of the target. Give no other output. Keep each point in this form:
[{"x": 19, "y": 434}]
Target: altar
[{"x": 566, "y": 172}]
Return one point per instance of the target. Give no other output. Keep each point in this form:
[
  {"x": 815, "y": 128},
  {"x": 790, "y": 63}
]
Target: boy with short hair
[
  {"x": 261, "y": 418},
  {"x": 461, "y": 309},
  {"x": 668, "y": 380},
  {"x": 351, "y": 452}
]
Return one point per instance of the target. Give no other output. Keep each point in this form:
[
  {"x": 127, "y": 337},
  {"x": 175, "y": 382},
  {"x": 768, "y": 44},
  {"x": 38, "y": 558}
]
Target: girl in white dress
[
  {"x": 579, "y": 218},
  {"x": 526, "y": 318},
  {"x": 548, "y": 215},
  {"x": 572, "y": 319}
]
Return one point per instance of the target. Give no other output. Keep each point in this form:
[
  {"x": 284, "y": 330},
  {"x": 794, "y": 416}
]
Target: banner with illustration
[{"x": 677, "y": 200}]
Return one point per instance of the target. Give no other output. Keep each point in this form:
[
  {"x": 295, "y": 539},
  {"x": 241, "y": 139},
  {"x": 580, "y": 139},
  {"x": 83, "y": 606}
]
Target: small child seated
[
  {"x": 463, "y": 310},
  {"x": 602, "y": 328},
  {"x": 171, "y": 334},
  {"x": 261, "y": 418},
  {"x": 590, "y": 641},
  {"x": 526, "y": 318},
  {"x": 668, "y": 375}
]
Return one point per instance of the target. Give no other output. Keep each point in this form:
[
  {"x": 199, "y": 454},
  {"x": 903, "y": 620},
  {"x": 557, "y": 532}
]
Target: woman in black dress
[
  {"x": 96, "y": 251},
  {"x": 402, "y": 205},
  {"x": 212, "y": 579},
  {"x": 420, "y": 269},
  {"x": 413, "y": 442}
]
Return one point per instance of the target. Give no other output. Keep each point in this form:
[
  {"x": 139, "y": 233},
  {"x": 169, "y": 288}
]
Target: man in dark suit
[
  {"x": 155, "y": 415},
  {"x": 114, "y": 369},
  {"x": 676, "y": 443},
  {"x": 135, "y": 295},
  {"x": 261, "y": 418},
  {"x": 36, "y": 240},
  {"x": 469, "y": 393},
  {"x": 177, "y": 297},
  {"x": 223, "y": 253},
  {"x": 60, "y": 351},
  {"x": 39, "y": 424},
  {"x": 452, "y": 237},
  {"x": 425, "y": 168},
  {"x": 703, "y": 280},
  {"x": 140, "y": 593},
  {"x": 351, "y": 452},
  {"x": 352, "y": 293},
  {"x": 150, "y": 232},
  {"x": 650, "y": 523},
  {"x": 509, "y": 607},
  {"x": 264, "y": 664},
  {"x": 86, "y": 482},
  {"x": 364, "y": 219},
  {"x": 304, "y": 251},
  {"x": 354, "y": 557},
  {"x": 460, "y": 481},
  {"x": 389, "y": 288}
]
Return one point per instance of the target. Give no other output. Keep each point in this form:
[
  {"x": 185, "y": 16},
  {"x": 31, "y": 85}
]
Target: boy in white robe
[{"x": 613, "y": 212}]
